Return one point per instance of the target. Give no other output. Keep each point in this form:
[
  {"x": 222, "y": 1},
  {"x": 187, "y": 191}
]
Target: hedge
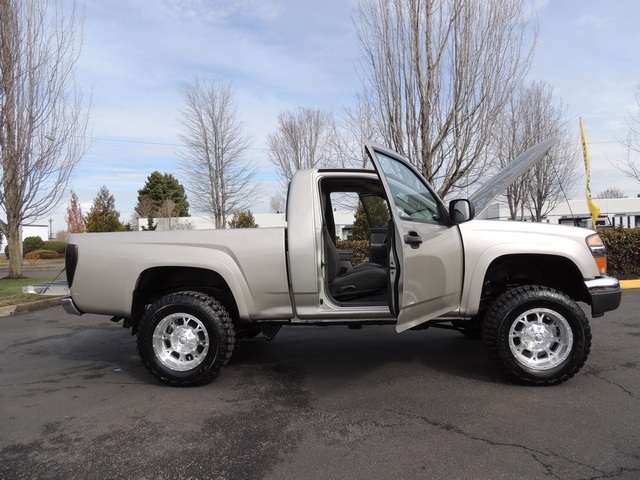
[
  {"x": 623, "y": 251},
  {"x": 55, "y": 246},
  {"x": 360, "y": 249},
  {"x": 42, "y": 255}
]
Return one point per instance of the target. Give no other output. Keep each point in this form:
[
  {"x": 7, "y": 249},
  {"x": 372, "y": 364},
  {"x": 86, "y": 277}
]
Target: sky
[{"x": 281, "y": 54}]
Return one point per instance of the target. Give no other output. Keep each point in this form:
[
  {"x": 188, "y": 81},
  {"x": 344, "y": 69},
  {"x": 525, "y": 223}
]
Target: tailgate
[{"x": 58, "y": 288}]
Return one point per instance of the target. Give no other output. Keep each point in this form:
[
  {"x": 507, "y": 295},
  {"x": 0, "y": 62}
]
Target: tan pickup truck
[{"x": 189, "y": 296}]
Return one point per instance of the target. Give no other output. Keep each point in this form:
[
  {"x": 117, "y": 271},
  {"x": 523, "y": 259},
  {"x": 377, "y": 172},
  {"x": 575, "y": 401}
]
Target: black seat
[{"x": 361, "y": 280}]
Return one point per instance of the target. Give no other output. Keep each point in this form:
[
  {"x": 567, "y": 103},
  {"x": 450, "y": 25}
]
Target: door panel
[
  {"x": 431, "y": 275},
  {"x": 426, "y": 264}
]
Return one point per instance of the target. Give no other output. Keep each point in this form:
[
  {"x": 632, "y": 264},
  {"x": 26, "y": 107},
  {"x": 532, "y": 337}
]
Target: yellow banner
[{"x": 593, "y": 209}]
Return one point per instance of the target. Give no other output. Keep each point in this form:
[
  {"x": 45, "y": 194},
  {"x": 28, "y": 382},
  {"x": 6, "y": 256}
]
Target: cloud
[
  {"x": 594, "y": 22},
  {"x": 281, "y": 54}
]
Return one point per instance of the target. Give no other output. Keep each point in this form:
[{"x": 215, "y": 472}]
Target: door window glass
[{"x": 411, "y": 197}]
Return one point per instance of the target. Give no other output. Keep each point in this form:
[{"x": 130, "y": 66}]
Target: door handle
[{"x": 413, "y": 239}]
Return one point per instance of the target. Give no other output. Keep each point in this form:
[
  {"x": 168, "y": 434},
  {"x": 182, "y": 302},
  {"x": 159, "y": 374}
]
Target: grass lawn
[{"x": 11, "y": 291}]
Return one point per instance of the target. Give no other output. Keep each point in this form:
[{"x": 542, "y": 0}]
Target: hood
[
  {"x": 484, "y": 196},
  {"x": 502, "y": 228}
]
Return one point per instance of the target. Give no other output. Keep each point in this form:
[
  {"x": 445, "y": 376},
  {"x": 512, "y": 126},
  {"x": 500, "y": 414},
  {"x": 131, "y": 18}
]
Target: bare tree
[
  {"x": 611, "y": 192},
  {"x": 510, "y": 141},
  {"x": 75, "y": 218},
  {"x": 350, "y": 132},
  {"x": 145, "y": 208},
  {"x": 534, "y": 115},
  {"x": 630, "y": 163},
  {"x": 42, "y": 122},
  {"x": 169, "y": 217},
  {"x": 277, "y": 203},
  {"x": 301, "y": 141},
  {"x": 551, "y": 179},
  {"x": 438, "y": 73},
  {"x": 220, "y": 177}
]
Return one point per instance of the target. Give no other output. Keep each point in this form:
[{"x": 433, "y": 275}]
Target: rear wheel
[
  {"x": 537, "y": 335},
  {"x": 185, "y": 338}
]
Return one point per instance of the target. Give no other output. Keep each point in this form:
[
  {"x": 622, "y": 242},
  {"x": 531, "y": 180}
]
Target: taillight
[
  {"x": 70, "y": 262},
  {"x": 599, "y": 252}
]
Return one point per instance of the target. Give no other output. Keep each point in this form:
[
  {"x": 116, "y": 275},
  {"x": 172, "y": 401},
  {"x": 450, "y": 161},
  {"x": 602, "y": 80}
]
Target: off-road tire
[
  {"x": 185, "y": 338},
  {"x": 538, "y": 335}
]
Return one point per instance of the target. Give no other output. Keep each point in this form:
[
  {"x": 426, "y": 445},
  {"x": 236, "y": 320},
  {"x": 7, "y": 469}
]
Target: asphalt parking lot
[{"x": 75, "y": 402}]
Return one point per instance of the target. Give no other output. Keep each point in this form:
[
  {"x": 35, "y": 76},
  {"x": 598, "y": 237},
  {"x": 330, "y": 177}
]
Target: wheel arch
[
  {"x": 511, "y": 270},
  {"x": 156, "y": 282}
]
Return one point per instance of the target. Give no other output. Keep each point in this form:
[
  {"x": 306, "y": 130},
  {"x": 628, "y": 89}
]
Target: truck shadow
[{"x": 342, "y": 354}]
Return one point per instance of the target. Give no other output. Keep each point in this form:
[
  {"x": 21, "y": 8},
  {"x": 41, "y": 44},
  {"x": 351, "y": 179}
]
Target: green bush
[
  {"x": 623, "y": 251},
  {"x": 360, "y": 249},
  {"x": 42, "y": 255},
  {"x": 31, "y": 244},
  {"x": 55, "y": 246}
]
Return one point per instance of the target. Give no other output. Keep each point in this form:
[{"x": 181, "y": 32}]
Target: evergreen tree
[
  {"x": 158, "y": 188},
  {"x": 243, "y": 219},
  {"x": 375, "y": 215},
  {"x": 361, "y": 224},
  {"x": 151, "y": 225},
  {"x": 103, "y": 216}
]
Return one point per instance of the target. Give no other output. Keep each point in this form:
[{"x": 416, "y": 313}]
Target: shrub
[
  {"x": 42, "y": 255},
  {"x": 31, "y": 244},
  {"x": 623, "y": 251},
  {"x": 55, "y": 246},
  {"x": 243, "y": 219},
  {"x": 360, "y": 249}
]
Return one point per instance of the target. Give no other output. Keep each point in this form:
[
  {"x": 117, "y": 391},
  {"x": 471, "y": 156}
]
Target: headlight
[{"x": 599, "y": 252}]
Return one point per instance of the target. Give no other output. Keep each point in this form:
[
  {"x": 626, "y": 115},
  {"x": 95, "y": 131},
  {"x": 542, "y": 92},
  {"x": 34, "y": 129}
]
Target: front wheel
[
  {"x": 537, "y": 335},
  {"x": 185, "y": 338}
]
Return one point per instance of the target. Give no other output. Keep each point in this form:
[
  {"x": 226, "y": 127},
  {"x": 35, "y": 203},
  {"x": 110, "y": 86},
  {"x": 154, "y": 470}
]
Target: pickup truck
[{"x": 191, "y": 296}]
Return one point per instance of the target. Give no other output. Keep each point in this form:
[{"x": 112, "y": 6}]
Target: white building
[
  {"x": 623, "y": 212},
  {"x": 41, "y": 231}
]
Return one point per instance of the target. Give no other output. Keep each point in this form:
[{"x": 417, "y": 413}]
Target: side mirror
[{"x": 461, "y": 210}]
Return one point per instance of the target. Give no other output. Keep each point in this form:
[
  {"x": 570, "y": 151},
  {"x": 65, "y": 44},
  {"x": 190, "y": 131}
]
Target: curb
[
  {"x": 627, "y": 284},
  {"x": 29, "y": 307}
]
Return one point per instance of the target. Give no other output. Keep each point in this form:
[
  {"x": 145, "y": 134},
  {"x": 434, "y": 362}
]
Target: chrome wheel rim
[
  {"x": 540, "y": 339},
  {"x": 180, "y": 342}
]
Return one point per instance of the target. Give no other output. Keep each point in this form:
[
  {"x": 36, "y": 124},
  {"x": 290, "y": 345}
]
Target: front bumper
[{"x": 605, "y": 295}]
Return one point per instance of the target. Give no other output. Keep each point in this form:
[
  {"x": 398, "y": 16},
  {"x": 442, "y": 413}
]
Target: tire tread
[
  {"x": 218, "y": 316},
  {"x": 511, "y": 299}
]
